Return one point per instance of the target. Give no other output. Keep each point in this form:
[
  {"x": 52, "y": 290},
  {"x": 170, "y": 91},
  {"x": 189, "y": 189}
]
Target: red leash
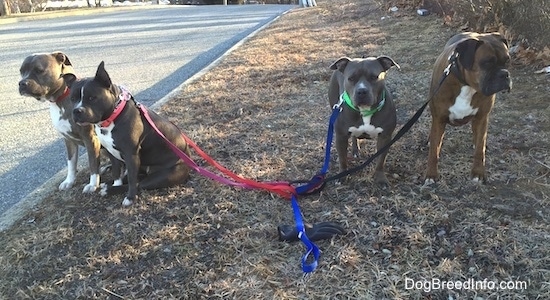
[{"x": 283, "y": 189}]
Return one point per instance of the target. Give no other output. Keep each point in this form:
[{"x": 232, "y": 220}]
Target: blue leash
[
  {"x": 318, "y": 180},
  {"x": 312, "y": 186},
  {"x": 311, "y": 248}
]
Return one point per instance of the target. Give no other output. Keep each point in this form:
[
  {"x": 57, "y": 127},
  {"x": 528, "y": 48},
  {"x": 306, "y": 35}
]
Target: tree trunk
[
  {"x": 307, "y": 3},
  {"x": 5, "y": 8}
]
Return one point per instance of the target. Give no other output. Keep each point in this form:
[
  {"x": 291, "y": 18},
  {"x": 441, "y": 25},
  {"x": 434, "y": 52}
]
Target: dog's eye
[
  {"x": 373, "y": 77},
  {"x": 352, "y": 78},
  {"x": 488, "y": 63}
]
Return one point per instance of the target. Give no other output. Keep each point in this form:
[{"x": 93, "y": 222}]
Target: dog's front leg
[
  {"x": 354, "y": 147},
  {"x": 72, "y": 160},
  {"x": 132, "y": 165},
  {"x": 479, "y": 129},
  {"x": 342, "y": 149},
  {"x": 436, "y": 139},
  {"x": 94, "y": 149},
  {"x": 379, "y": 172}
]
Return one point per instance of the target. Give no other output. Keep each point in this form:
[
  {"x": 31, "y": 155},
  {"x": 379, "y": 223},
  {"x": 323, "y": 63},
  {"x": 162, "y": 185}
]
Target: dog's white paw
[
  {"x": 65, "y": 185},
  {"x": 103, "y": 191},
  {"x": 126, "y": 202},
  {"x": 477, "y": 180},
  {"x": 93, "y": 185},
  {"x": 89, "y": 188},
  {"x": 428, "y": 182}
]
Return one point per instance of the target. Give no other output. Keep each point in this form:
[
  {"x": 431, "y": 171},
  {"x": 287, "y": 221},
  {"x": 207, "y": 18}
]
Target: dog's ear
[
  {"x": 102, "y": 77},
  {"x": 69, "y": 79},
  {"x": 67, "y": 66},
  {"x": 500, "y": 37},
  {"x": 62, "y": 58},
  {"x": 387, "y": 62},
  {"x": 467, "y": 51},
  {"x": 340, "y": 64}
]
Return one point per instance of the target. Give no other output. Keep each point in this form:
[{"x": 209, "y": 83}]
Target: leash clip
[
  {"x": 452, "y": 60},
  {"x": 339, "y": 104},
  {"x": 447, "y": 69}
]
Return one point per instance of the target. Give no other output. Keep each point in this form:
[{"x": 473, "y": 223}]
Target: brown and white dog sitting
[
  {"x": 41, "y": 78},
  {"x": 477, "y": 66}
]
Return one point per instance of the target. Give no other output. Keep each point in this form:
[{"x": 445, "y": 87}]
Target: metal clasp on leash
[
  {"x": 339, "y": 104},
  {"x": 452, "y": 60}
]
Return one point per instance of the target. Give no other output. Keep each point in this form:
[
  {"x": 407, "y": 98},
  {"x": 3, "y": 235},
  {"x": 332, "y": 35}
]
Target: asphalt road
[{"x": 151, "y": 51}]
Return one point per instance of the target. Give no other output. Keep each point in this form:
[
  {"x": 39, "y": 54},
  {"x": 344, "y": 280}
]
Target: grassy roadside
[{"x": 262, "y": 112}]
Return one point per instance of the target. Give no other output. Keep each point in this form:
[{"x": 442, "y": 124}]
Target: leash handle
[
  {"x": 311, "y": 249},
  {"x": 282, "y": 188}
]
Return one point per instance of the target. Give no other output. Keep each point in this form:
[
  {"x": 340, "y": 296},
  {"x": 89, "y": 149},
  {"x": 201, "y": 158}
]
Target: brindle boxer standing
[{"x": 477, "y": 64}]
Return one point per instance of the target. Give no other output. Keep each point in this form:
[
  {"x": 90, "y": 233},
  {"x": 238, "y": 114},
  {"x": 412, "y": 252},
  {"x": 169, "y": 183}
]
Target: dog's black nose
[
  {"x": 362, "y": 92},
  {"x": 77, "y": 111},
  {"x": 504, "y": 74},
  {"x": 23, "y": 83}
]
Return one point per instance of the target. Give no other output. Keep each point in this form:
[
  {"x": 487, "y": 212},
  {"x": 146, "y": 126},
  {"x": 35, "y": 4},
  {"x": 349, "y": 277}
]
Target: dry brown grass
[{"x": 262, "y": 112}]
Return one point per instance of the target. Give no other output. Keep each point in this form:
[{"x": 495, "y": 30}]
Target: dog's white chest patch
[
  {"x": 366, "y": 128},
  {"x": 462, "y": 107},
  {"x": 59, "y": 123},
  {"x": 105, "y": 137}
]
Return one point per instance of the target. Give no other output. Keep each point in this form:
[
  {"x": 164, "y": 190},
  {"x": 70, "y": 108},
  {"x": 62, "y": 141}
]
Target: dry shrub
[{"x": 525, "y": 23}]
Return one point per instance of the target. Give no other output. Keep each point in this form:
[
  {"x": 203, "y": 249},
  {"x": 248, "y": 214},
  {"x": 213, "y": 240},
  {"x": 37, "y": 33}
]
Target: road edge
[{"x": 28, "y": 203}]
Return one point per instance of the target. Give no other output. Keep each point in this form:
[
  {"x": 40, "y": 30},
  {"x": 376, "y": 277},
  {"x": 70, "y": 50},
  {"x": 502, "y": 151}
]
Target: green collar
[{"x": 365, "y": 112}]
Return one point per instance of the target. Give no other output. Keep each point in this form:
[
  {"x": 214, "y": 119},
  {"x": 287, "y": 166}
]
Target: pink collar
[{"x": 121, "y": 103}]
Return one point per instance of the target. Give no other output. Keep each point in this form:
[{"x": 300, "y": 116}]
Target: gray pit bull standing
[
  {"x": 130, "y": 139},
  {"x": 368, "y": 110},
  {"x": 41, "y": 79}
]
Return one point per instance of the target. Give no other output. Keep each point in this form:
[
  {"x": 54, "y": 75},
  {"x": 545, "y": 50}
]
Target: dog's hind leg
[{"x": 165, "y": 177}]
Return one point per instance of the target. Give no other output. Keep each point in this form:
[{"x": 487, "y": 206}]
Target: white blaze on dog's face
[
  {"x": 363, "y": 78},
  {"x": 41, "y": 75}
]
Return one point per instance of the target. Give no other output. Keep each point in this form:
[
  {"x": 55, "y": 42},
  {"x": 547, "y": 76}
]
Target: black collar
[{"x": 455, "y": 69}]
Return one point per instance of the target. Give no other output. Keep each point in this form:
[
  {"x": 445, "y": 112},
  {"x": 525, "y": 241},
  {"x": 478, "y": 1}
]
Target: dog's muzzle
[
  {"x": 363, "y": 97},
  {"x": 500, "y": 81}
]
